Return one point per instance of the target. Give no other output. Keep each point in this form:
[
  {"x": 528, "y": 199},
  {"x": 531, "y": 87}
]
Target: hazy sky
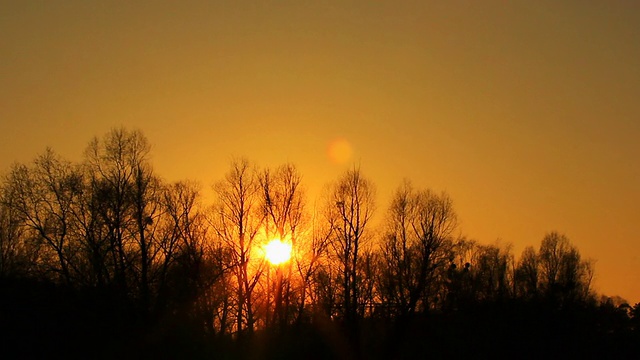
[{"x": 526, "y": 112}]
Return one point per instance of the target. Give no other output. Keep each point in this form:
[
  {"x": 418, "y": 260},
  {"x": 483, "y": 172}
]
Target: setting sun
[
  {"x": 459, "y": 180},
  {"x": 277, "y": 251}
]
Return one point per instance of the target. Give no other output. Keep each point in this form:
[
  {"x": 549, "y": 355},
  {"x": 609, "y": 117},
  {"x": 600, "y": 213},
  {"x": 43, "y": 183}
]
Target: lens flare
[{"x": 339, "y": 151}]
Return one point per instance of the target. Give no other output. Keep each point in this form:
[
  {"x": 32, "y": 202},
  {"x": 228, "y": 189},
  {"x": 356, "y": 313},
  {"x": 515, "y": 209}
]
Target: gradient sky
[{"x": 526, "y": 112}]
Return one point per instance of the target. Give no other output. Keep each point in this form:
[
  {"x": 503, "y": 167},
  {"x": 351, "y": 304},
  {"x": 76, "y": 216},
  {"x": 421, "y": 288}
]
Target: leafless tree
[
  {"x": 127, "y": 195},
  {"x": 491, "y": 273},
  {"x": 369, "y": 267},
  {"x": 416, "y": 247},
  {"x": 190, "y": 263},
  {"x": 350, "y": 208},
  {"x": 527, "y": 274},
  {"x": 311, "y": 254},
  {"x": 17, "y": 254},
  {"x": 564, "y": 276},
  {"x": 237, "y": 219},
  {"x": 283, "y": 204},
  {"x": 42, "y": 195}
]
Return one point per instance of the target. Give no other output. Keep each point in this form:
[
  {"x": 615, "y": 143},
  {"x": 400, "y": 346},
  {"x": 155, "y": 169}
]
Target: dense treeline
[{"x": 103, "y": 258}]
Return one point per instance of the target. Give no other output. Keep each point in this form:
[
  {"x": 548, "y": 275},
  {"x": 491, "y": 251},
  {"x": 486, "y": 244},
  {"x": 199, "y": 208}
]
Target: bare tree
[
  {"x": 127, "y": 197},
  {"x": 42, "y": 196},
  {"x": 491, "y": 273},
  {"x": 369, "y": 267},
  {"x": 17, "y": 254},
  {"x": 283, "y": 201},
  {"x": 310, "y": 256},
  {"x": 237, "y": 219},
  {"x": 416, "y": 247},
  {"x": 190, "y": 265},
  {"x": 564, "y": 276},
  {"x": 351, "y": 206},
  {"x": 283, "y": 206},
  {"x": 527, "y": 274}
]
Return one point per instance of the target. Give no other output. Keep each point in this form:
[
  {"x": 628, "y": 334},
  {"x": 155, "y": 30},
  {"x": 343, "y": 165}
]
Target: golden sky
[{"x": 526, "y": 112}]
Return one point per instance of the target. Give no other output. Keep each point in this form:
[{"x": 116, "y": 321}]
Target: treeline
[{"x": 104, "y": 256}]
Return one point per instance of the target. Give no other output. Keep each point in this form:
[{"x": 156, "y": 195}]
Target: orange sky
[{"x": 526, "y": 112}]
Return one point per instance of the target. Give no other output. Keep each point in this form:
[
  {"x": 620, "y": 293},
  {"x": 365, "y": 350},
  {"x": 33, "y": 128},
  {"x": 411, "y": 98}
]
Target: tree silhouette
[
  {"x": 564, "y": 276},
  {"x": 527, "y": 274},
  {"x": 237, "y": 219},
  {"x": 102, "y": 258},
  {"x": 42, "y": 197},
  {"x": 284, "y": 213},
  {"x": 18, "y": 255},
  {"x": 128, "y": 194},
  {"x": 311, "y": 262},
  {"x": 351, "y": 205},
  {"x": 416, "y": 247}
]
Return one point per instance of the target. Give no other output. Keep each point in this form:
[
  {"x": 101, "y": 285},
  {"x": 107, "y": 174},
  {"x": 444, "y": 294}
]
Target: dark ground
[{"x": 42, "y": 321}]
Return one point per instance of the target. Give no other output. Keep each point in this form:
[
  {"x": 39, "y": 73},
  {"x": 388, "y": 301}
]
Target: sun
[{"x": 277, "y": 251}]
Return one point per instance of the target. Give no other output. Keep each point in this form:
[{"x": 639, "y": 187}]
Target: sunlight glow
[{"x": 277, "y": 251}]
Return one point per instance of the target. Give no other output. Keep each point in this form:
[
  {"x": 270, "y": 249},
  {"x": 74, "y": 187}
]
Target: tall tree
[
  {"x": 42, "y": 195},
  {"x": 283, "y": 205},
  {"x": 127, "y": 194},
  {"x": 491, "y": 275},
  {"x": 416, "y": 247},
  {"x": 18, "y": 254},
  {"x": 311, "y": 255},
  {"x": 350, "y": 208},
  {"x": 564, "y": 276},
  {"x": 527, "y": 274},
  {"x": 237, "y": 219},
  {"x": 190, "y": 263}
]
